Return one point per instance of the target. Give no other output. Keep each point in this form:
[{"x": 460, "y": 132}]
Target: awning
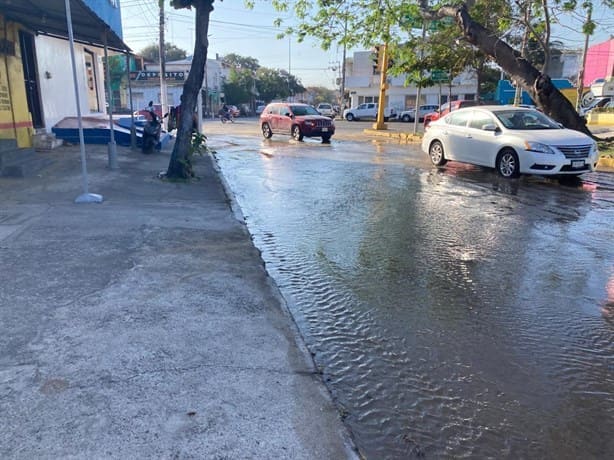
[{"x": 48, "y": 17}]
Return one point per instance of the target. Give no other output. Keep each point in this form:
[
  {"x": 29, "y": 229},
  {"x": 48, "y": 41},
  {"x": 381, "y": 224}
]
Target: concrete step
[
  {"x": 18, "y": 162},
  {"x": 46, "y": 141}
]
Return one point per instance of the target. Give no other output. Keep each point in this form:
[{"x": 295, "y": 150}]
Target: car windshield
[
  {"x": 525, "y": 119},
  {"x": 303, "y": 110}
]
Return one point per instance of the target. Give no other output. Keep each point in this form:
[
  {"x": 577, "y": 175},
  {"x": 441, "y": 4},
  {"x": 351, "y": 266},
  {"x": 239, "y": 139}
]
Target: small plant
[{"x": 198, "y": 146}]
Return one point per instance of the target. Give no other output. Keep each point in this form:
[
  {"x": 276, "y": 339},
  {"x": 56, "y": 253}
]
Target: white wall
[
  {"x": 361, "y": 82},
  {"x": 58, "y": 92}
]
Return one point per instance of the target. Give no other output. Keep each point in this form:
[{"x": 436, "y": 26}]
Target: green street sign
[{"x": 439, "y": 75}]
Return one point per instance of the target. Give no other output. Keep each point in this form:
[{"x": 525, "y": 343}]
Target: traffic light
[{"x": 376, "y": 57}]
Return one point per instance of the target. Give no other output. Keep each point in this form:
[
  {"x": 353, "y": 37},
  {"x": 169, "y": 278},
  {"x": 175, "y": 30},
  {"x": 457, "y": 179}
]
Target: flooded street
[{"x": 453, "y": 314}]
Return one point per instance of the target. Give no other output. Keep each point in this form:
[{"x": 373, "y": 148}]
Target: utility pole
[
  {"x": 163, "y": 95},
  {"x": 581, "y": 71},
  {"x": 342, "y": 98},
  {"x": 523, "y": 53},
  {"x": 383, "y": 85}
]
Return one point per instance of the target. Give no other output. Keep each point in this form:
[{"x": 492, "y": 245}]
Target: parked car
[
  {"x": 259, "y": 109},
  {"x": 326, "y": 109},
  {"x": 368, "y": 110},
  {"x": 512, "y": 140},
  {"x": 296, "y": 120},
  {"x": 410, "y": 114},
  {"x": 446, "y": 109}
]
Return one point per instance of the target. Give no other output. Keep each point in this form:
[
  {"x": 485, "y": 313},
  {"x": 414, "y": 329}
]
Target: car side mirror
[
  {"x": 288, "y": 114},
  {"x": 490, "y": 127}
]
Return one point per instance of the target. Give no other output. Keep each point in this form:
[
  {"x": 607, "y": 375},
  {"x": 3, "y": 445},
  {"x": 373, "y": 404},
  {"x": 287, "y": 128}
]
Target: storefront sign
[{"x": 144, "y": 75}]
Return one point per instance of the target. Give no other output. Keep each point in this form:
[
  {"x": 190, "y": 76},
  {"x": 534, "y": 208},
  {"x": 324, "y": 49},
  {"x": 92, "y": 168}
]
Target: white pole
[
  {"x": 112, "y": 154},
  {"x": 85, "y": 197}
]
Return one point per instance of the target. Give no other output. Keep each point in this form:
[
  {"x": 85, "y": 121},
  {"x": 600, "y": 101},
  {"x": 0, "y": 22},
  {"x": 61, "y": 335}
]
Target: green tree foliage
[
  {"x": 321, "y": 94},
  {"x": 276, "y": 84},
  {"x": 371, "y": 22},
  {"x": 171, "y": 53},
  {"x": 240, "y": 62},
  {"x": 247, "y": 79}
]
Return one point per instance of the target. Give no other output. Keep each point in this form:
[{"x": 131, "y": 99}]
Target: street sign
[{"x": 439, "y": 76}]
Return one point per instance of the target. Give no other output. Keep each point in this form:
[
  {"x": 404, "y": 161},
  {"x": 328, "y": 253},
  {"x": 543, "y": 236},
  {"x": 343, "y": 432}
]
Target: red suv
[
  {"x": 296, "y": 120},
  {"x": 446, "y": 109}
]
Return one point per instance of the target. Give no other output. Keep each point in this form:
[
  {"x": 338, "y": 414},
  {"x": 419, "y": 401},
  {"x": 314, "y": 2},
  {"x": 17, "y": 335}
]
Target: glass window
[
  {"x": 458, "y": 118},
  {"x": 525, "y": 119},
  {"x": 480, "y": 119}
]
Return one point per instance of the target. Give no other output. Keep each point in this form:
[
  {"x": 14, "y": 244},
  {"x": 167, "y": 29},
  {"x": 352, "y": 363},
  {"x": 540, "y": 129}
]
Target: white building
[
  {"x": 363, "y": 86},
  {"x": 146, "y": 83}
]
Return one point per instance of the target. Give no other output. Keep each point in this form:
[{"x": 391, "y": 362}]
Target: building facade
[
  {"x": 146, "y": 84},
  {"x": 599, "y": 62},
  {"x": 362, "y": 84},
  {"x": 36, "y": 79}
]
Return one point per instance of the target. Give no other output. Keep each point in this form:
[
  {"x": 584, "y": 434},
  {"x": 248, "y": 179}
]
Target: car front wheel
[
  {"x": 436, "y": 154},
  {"x": 296, "y": 133},
  {"x": 406, "y": 118},
  {"x": 266, "y": 131},
  {"x": 349, "y": 117},
  {"x": 507, "y": 164}
]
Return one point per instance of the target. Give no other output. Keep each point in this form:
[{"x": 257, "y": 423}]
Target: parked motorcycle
[{"x": 152, "y": 130}]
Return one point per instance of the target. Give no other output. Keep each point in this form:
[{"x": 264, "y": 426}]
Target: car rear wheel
[
  {"x": 349, "y": 117},
  {"x": 436, "y": 154},
  {"x": 266, "y": 131},
  {"x": 406, "y": 118},
  {"x": 507, "y": 164},
  {"x": 296, "y": 133}
]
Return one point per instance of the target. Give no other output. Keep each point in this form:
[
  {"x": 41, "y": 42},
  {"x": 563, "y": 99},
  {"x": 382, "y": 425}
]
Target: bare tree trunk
[
  {"x": 180, "y": 166},
  {"x": 538, "y": 85}
]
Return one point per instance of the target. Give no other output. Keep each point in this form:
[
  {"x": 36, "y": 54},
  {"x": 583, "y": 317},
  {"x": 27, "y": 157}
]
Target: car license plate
[
  {"x": 577, "y": 164},
  {"x": 324, "y": 130}
]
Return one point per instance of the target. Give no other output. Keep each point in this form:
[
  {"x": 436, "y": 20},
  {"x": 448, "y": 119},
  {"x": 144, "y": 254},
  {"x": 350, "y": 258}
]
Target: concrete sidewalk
[{"x": 146, "y": 326}]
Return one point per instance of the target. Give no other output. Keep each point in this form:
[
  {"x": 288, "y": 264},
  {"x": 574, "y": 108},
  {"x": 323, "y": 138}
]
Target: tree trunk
[
  {"x": 180, "y": 166},
  {"x": 538, "y": 85}
]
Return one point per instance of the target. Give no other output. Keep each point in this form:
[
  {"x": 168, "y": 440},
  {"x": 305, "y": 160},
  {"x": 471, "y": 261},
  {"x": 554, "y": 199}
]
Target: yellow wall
[
  {"x": 15, "y": 119},
  {"x": 600, "y": 118},
  {"x": 571, "y": 94}
]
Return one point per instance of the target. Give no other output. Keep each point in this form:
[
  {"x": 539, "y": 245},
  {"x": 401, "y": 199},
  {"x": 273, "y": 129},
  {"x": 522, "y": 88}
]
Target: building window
[
  {"x": 470, "y": 97},
  {"x": 114, "y": 3}
]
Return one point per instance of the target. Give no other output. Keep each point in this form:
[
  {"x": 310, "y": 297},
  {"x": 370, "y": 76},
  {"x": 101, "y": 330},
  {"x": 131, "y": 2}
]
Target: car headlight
[
  {"x": 537, "y": 147},
  {"x": 595, "y": 148}
]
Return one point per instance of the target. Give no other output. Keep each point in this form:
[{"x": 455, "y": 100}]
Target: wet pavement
[
  {"x": 145, "y": 326},
  {"x": 453, "y": 313}
]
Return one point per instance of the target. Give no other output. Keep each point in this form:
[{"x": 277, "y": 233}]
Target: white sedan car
[{"x": 512, "y": 140}]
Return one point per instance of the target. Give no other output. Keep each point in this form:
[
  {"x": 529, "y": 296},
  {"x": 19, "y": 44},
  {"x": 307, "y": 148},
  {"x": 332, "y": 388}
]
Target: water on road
[{"x": 453, "y": 314}]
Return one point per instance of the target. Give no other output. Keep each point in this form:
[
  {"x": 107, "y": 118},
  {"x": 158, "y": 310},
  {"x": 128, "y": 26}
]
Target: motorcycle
[
  {"x": 226, "y": 116},
  {"x": 151, "y": 130}
]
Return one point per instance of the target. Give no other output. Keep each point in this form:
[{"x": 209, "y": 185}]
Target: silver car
[{"x": 512, "y": 140}]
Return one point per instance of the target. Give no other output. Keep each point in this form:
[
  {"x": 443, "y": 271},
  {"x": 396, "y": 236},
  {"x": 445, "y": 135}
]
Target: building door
[
  {"x": 92, "y": 86},
  {"x": 30, "y": 76}
]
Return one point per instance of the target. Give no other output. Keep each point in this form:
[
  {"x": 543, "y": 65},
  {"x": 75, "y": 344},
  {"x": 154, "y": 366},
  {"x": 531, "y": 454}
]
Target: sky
[
  {"x": 236, "y": 29},
  {"x": 233, "y": 29}
]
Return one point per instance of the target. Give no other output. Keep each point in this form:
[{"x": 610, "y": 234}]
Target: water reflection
[{"x": 452, "y": 316}]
